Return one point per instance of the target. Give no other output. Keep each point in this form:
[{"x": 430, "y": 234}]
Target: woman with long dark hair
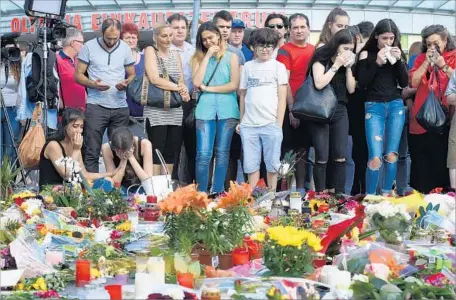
[
  {"x": 216, "y": 76},
  {"x": 331, "y": 64},
  {"x": 428, "y": 150},
  {"x": 66, "y": 143},
  {"x": 381, "y": 68}
]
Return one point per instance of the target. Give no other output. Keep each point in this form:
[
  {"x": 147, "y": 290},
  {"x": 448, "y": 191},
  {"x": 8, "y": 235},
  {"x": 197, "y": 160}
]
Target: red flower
[
  {"x": 261, "y": 183},
  {"x": 74, "y": 214},
  {"x": 115, "y": 245},
  {"x": 116, "y": 235},
  {"x": 19, "y": 201},
  {"x": 337, "y": 231},
  {"x": 311, "y": 195},
  {"x": 267, "y": 220}
]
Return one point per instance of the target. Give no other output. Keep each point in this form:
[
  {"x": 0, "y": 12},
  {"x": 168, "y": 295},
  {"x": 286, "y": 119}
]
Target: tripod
[{"x": 17, "y": 161}]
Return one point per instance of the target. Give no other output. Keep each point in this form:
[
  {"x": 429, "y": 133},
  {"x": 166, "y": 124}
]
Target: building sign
[{"x": 144, "y": 20}]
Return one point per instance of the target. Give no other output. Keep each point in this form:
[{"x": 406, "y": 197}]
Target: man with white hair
[{"x": 71, "y": 93}]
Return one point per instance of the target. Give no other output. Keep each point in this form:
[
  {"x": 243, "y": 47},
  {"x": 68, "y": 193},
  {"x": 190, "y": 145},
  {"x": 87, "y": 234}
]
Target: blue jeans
[
  {"x": 208, "y": 134},
  {"x": 5, "y": 137},
  {"x": 349, "y": 167},
  {"x": 384, "y": 125},
  {"x": 403, "y": 167}
]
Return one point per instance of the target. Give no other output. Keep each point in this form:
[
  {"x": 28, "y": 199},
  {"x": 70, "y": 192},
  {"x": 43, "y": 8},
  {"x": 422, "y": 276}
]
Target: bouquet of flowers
[
  {"x": 288, "y": 251},
  {"x": 287, "y": 168},
  {"x": 390, "y": 220}
]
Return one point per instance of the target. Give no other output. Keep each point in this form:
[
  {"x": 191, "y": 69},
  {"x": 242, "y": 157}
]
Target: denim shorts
[{"x": 266, "y": 139}]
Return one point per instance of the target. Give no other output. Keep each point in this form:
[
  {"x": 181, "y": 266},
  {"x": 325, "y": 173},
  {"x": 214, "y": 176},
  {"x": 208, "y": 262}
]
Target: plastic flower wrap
[
  {"x": 391, "y": 221},
  {"x": 288, "y": 251}
]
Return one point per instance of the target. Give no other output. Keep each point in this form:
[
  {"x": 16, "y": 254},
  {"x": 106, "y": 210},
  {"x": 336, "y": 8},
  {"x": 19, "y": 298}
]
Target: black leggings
[
  {"x": 332, "y": 137},
  {"x": 167, "y": 139}
]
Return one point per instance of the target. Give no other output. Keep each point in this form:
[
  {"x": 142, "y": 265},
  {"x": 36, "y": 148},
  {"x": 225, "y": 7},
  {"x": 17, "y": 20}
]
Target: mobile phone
[{"x": 437, "y": 49}]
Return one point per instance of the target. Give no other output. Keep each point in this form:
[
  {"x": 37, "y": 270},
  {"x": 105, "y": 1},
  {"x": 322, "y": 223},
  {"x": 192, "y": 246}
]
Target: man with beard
[{"x": 106, "y": 60}]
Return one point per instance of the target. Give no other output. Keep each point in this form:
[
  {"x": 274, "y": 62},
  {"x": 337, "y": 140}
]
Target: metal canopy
[{"x": 444, "y": 7}]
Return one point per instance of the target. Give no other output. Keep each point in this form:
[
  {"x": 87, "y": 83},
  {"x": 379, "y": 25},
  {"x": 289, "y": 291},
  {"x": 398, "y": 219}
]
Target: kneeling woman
[
  {"x": 65, "y": 144},
  {"x": 128, "y": 157},
  {"x": 331, "y": 65}
]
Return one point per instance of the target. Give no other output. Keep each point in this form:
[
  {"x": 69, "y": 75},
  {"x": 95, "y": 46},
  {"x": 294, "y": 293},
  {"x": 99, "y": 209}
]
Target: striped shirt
[{"x": 173, "y": 116}]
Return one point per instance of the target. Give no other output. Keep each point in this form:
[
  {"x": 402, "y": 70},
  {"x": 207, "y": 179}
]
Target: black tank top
[
  {"x": 48, "y": 173},
  {"x": 130, "y": 176}
]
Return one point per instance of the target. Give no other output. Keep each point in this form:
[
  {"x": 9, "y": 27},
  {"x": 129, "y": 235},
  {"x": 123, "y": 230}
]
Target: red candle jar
[
  {"x": 185, "y": 280},
  {"x": 114, "y": 291},
  {"x": 319, "y": 260},
  {"x": 255, "y": 248},
  {"x": 152, "y": 199},
  {"x": 323, "y": 208},
  {"x": 82, "y": 272},
  {"x": 240, "y": 256}
]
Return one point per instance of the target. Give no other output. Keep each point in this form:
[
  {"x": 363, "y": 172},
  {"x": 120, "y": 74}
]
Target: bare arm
[
  {"x": 351, "y": 81},
  {"x": 418, "y": 74},
  {"x": 150, "y": 64},
  {"x": 322, "y": 79},
  {"x": 282, "y": 103},
  {"x": 242, "y": 94},
  {"x": 53, "y": 152},
  {"x": 80, "y": 77},
  {"x": 130, "y": 70},
  {"x": 451, "y": 99},
  {"x": 146, "y": 170},
  {"x": 231, "y": 86}
]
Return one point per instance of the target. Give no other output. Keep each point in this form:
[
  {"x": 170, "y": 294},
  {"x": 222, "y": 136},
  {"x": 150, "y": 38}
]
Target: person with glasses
[
  {"x": 106, "y": 60},
  {"x": 263, "y": 91},
  {"x": 72, "y": 94},
  {"x": 237, "y": 37},
  {"x": 279, "y": 23}
]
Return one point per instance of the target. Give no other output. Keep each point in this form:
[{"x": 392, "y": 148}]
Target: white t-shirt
[{"x": 262, "y": 80}]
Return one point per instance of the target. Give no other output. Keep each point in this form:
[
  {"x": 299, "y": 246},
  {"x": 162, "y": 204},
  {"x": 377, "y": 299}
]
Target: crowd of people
[{"x": 238, "y": 88}]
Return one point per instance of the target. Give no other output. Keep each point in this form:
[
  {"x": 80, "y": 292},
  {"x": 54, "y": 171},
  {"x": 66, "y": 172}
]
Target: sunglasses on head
[{"x": 278, "y": 26}]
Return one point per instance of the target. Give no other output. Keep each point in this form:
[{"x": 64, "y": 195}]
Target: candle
[
  {"x": 296, "y": 201},
  {"x": 82, "y": 272},
  {"x": 240, "y": 256},
  {"x": 156, "y": 269},
  {"x": 185, "y": 280},
  {"x": 143, "y": 285},
  {"x": 115, "y": 291}
]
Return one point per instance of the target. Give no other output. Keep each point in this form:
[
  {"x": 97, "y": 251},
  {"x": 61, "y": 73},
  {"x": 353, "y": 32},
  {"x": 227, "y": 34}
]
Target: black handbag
[
  {"x": 433, "y": 115},
  {"x": 144, "y": 93},
  {"x": 190, "y": 120},
  {"x": 312, "y": 104}
]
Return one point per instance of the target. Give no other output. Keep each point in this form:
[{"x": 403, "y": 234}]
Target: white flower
[
  {"x": 284, "y": 168},
  {"x": 108, "y": 201},
  {"x": 175, "y": 293},
  {"x": 360, "y": 277},
  {"x": 211, "y": 206}
]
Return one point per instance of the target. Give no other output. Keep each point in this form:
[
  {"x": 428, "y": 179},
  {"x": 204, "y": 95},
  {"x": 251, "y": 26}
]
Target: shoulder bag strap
[
  {"x": 210, "y": 79},
  {"x": 166, "y": 93}
]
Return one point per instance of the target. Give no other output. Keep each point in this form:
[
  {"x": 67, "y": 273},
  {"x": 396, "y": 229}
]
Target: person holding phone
[{"x": 106, "y": 60}]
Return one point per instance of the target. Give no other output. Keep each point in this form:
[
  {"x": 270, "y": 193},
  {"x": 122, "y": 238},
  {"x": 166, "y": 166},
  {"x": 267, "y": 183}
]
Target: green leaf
[
  {"x": 378, "y": 283},
  {"x": 437, "y": 207},
  {"x": 429, "y": 207},
  {"x": 422, "y": 212},
  {"x": 180, "y": 264},
  {"x": 195, "y": 268}
]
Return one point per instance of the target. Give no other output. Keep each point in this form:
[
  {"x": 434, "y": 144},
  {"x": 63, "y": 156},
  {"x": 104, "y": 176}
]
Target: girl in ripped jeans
[{"x": 381, "y": 69}]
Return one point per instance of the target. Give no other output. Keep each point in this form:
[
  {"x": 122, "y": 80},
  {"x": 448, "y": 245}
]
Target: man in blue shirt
[
  {"x": 236, "y": 38},
  {"x": 106, "y": 61}
]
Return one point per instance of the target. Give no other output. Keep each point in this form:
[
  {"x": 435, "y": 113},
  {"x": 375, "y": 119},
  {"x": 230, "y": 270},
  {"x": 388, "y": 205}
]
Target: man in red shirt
[
  {"x": 71, "y": 93},
  {"x": 296, "y": 56}
]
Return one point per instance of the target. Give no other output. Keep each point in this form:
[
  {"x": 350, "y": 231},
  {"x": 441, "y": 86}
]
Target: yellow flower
[
  {"x": 259, "y": 236},
  {"x": 94, "y": 273},
  {"x": 292, "y": 236},
  {"x": 314, "y": 204},
  {"x": 48, "y": 199},
  {"x": 20, "y": 286},
  {"x": 314, "y": 242},
  {"x": 36, "y": 212},
  {"x": 24, "y": 206},
  {"x": 125, "y": 226},
  {"x": 42, "y": 284},
  {"x": 90, "y": 209}
]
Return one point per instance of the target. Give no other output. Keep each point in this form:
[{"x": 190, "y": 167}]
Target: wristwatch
[
  {"x": 334, "y": 69},
  {"x": 445, "y": 68}
]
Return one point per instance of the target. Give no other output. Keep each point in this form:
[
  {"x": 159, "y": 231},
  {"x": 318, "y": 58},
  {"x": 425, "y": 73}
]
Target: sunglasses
[{"x": 278, "y": 26}]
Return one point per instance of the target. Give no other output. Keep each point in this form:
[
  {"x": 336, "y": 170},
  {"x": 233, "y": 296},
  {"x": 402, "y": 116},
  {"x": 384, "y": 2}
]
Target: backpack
[{"x": 35, "y": 79}]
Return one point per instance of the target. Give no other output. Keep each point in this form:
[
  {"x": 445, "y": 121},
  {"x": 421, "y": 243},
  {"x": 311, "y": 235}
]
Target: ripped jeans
[
  {"x": 212, "y": 134},
  {"x": 384, "y": 124}
]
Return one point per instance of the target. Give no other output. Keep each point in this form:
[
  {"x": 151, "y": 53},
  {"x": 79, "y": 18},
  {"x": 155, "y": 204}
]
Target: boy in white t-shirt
[{"x": 263, "y": 92}]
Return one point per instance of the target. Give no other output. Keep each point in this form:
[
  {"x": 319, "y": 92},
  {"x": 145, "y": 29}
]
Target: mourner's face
[
  {"x": 74, "y": 127},
  {"x": 165, "y": 37},
  {"x": 180, "y": 30},
  {"x": 385, "y": 39},
  {"x": 131, "y": 39},
  {"x": 210, "y": 39},
  {"x": 111, "y": 36},
  {"x": 278, "y": 25},
  {"x": 435, "y": 41},
  {"x": 340, "y": 23}
]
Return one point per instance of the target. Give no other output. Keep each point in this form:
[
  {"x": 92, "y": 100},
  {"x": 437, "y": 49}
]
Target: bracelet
[{"x": 444, "y": 68}]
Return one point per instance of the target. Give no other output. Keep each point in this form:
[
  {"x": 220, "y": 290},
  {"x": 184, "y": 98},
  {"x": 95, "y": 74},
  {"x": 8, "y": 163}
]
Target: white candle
[
  {"x": 156, "y": 268},
  {"x": 143, "y": 285}
]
